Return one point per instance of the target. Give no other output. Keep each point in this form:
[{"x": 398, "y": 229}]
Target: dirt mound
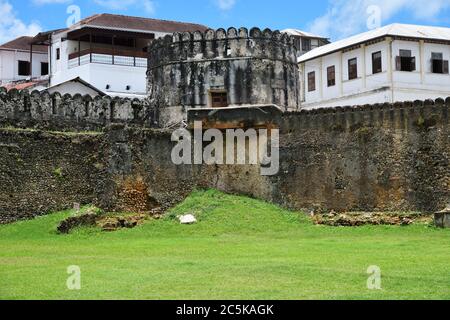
[
  {"x": 95, "y": 217},
  {"x": 87, "y": 219}
]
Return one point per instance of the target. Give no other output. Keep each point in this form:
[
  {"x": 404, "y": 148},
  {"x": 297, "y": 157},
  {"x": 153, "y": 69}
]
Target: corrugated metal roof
[
  {"x": 300, "y": 33},
  {"x": 399, "y": 30}
]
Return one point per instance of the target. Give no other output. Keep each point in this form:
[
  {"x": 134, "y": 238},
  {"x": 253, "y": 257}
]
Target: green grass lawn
[{"x": 240, "y": 249}]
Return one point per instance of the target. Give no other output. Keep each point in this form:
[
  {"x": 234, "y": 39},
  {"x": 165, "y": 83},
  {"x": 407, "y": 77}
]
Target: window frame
[
  {"x": 377, "y": 62},
  {"x": 218, "y": 104},
  {"x": 331, "y": 76},
  {"x": 311, "y": 81},
  {"x": 23, "y": 64},
  {"x": 405, "y": 61},
  {"x": 306, "y": 44},
  {"x": 42, "y": 68},
  {"x": 352, "y": 69},
  {"x": 438, "y": 64},
  {"x": 405, "y": 53}
]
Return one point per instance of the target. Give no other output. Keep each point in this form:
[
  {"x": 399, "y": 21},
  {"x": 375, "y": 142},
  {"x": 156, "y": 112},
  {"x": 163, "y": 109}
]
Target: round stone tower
[{"x": 219, "y": 69}]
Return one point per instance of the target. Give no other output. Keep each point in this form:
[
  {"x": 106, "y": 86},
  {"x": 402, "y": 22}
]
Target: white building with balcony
[
  {"x": 392, "y": 64},
  {"x": 107, "y": 51},
  {"x": 15, "y": 60}
]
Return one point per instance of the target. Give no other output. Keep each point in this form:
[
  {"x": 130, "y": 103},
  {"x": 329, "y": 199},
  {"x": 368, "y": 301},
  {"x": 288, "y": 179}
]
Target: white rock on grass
[{"x": 187, "y": 219}]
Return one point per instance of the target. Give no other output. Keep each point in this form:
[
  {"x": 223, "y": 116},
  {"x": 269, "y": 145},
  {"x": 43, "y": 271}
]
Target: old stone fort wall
[
  {"x": 378, "y": 157},
  {"x": 252, "y": 66}
]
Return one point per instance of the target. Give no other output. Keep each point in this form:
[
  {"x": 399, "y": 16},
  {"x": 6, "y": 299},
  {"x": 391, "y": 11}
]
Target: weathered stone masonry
[
  {"x": 380, "y": 157},
  {"x": 55, "y": 112},
  {"x": 41, "y": 172},
  {"x": 251, "y": 67},
  {"x": 56, "y": 150}
]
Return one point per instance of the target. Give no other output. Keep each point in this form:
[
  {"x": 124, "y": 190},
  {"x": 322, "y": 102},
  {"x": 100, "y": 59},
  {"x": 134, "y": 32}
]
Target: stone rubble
[
  {"x": 187, "y": 219},
  {"x": 365, "y": 218}
]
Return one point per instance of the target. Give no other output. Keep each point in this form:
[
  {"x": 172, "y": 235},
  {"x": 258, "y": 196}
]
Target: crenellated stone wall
[
  {"x": 66, "y": 113},
  {"x": 383, "y": 157},
  {"x": 252, "y": 67},
  {"x": 374, "y": 158}
]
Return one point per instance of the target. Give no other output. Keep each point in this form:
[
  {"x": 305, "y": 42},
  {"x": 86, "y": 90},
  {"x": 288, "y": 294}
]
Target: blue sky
[{"x": 332, "y": 18}]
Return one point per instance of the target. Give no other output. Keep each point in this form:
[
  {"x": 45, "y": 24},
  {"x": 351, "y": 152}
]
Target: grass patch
[{"x": 241, "y": 249}]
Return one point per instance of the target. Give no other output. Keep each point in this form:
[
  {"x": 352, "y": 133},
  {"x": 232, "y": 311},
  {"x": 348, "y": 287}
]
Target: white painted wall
[
  {"x": 9, "y": 64},
  {"x": 72, "y": 88},
  {"x": 388, "y": 86},
  {"x": 99, "y": 75}
]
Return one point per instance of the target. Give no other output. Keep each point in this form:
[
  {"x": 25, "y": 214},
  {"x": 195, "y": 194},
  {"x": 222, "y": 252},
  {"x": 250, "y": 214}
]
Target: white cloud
[
  {"x": 225, "y": 5},
  {"x": 148, "y": 5},
  {"x": 12, "y": 27},
  {"x": 345, "y": 18},
  {"x": 42, "y": 2}
]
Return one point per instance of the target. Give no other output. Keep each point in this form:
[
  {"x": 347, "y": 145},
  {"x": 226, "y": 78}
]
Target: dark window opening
[
  {"x": 124, "y": 42},
  {"x": 297, "y": 43},
  {"x": 439, "y": 65},
  {"x": 44, "y": 68},
  {"x": 58, "y": 53},
  {"x": 331, "y": 76},
  {"x": 352, "y": 69},
  {"x": 377, "y": 64},
  {"x": 406, "y": 62},
  {"x": 24, "y": 68},
  {"x": 306, "y": 44},
  {"x": 311, "y": 81},
  {"x": 219, "y": 99}
]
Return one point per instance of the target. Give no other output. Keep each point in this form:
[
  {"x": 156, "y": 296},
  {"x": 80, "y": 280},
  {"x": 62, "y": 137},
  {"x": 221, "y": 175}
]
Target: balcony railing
[{"x": 110, "y": 56}]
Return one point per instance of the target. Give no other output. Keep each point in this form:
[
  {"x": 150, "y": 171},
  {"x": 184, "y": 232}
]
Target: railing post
[
  {"x": 90, "y": 47},
  {"x": 134, "y": 53},
  {"x": 79, "y": 51},
  {"x": 30, "y": 66},
  {"x": 113, "y": 49}
]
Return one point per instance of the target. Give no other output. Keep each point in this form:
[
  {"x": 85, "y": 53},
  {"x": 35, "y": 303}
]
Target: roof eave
[{"x": 367, "y": 40}]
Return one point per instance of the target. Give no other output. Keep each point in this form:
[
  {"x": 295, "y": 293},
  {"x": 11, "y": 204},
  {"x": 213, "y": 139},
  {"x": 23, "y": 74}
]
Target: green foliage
[
  {"x": 58, "y": 173},
  {"x": 420, "y": 121},
  {"x": 241, "y": 248}
]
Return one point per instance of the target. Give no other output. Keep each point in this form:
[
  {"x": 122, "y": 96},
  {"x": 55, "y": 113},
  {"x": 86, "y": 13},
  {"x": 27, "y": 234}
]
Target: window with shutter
[
  {"x": 438, "y": 63},
  {"x": 413, "y": 64},
  {"x": 405, "y": 62},
  {"x": 405, "y": 53},
  {"x": 219, "y": 99},
  {"x": 331, "y": 76},
  {"x": 311, "y": 81},
  {"x": 446, "y": 71},
  {"x": 352, "y": 69},
  {"x": 306, "y": 44},
  {"x": 377, "y": 65},
  {"x": 398, "y": 63}
]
